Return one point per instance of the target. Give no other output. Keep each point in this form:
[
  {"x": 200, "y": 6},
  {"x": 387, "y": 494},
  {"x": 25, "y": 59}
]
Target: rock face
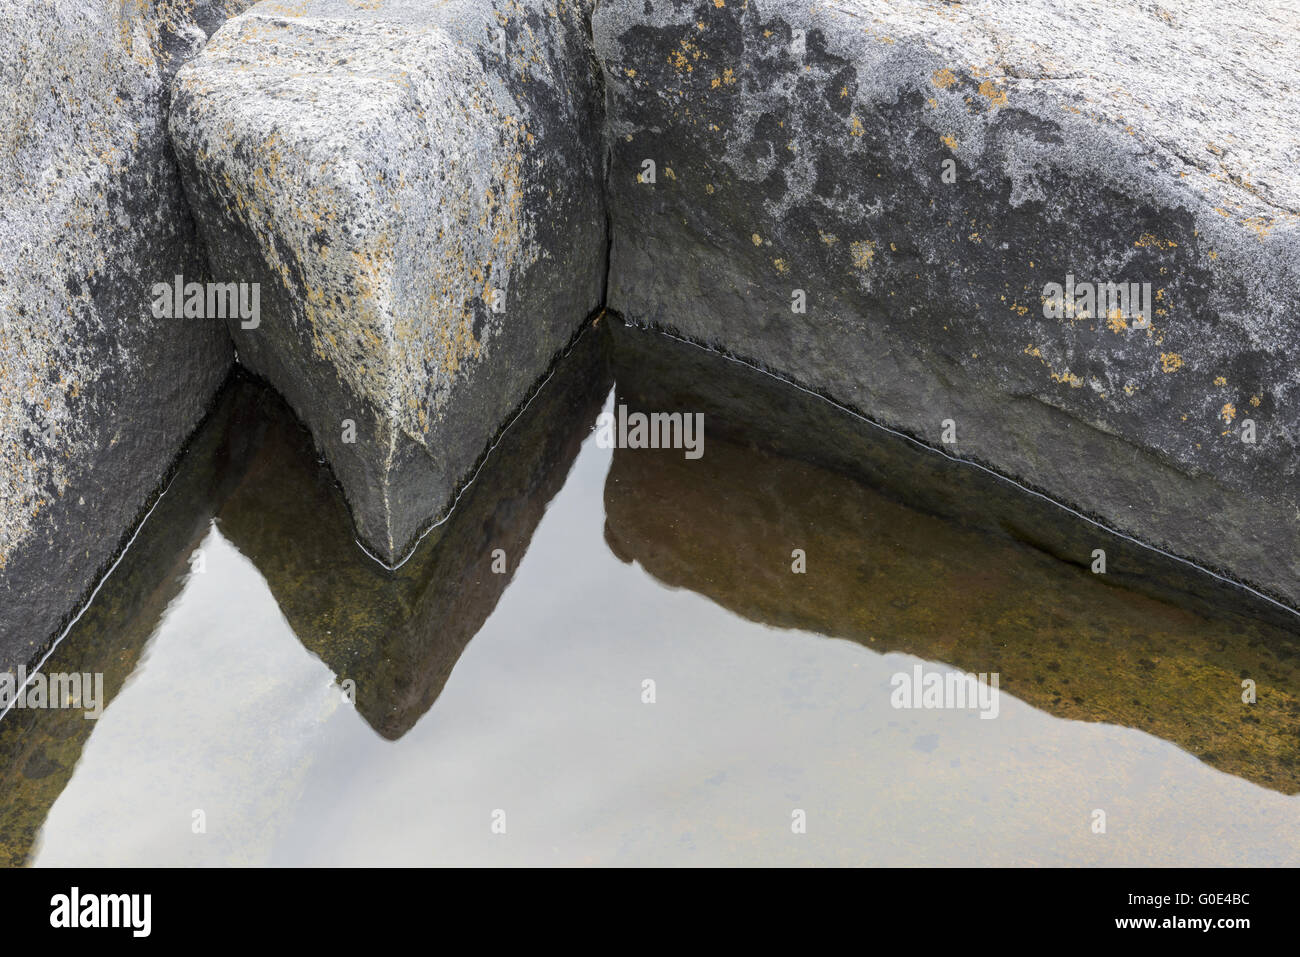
[
  {"x": 915, "y": 176},
  {"x": 417, "y": 189},
  {"x": 96, "y": 394}
]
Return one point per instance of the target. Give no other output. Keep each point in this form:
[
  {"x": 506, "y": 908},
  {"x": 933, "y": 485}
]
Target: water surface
[{"x": 478, "y": 693}]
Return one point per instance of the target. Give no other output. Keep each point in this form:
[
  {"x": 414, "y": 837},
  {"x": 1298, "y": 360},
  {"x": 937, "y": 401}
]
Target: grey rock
[
  {"x": 382, "y": 170},
  {"x": 96, "y": 395},
  {"x": 803, "y": 147}
]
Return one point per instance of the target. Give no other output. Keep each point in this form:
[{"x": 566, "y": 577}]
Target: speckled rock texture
[
  {"x": 417, "y": 188},
  {"x": 96, "y": 395},
  {"x": 804, "y": 146}
]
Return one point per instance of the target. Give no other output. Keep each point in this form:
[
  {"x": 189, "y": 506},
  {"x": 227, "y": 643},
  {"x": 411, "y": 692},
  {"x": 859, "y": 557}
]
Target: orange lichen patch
[
  {"x": 1220, "y": 380},
  {"x": 708, "y": 188},
  {"x": 855, "y": 127},
  {"x": 1260, "y": 224},
  {"x": 1254, "y": 400},
  {"x": 830, "y": 239},
  {"x": 862, "y": 252},
  {"x": 781, "y": 266},
  {"x": 943, "y": 78},
  {"x": 683, "y": 57},
  {"x": 1067, "y": 376},
  {"x": 630, "y": 72},
  {"x": 756, "y": 239},
  {"x": 1228, "y": 413},
  {"x": 1170, "y": 362},
  {"x": 719, "y": 3},
  {"x": 949, "y": 141},
  {"x": 668, "y": 171},
  {"x": 1115, "y": 320},
  {"x": 1149, "y": 241},
  {"x": 995, "y": 94}
]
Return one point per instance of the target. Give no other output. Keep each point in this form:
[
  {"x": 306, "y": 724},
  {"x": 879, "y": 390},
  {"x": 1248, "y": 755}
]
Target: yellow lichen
[
  {"x": 862, "y": 252},
  {"x": 943, "y": 78},
  {"x": 996, "y": 95}
]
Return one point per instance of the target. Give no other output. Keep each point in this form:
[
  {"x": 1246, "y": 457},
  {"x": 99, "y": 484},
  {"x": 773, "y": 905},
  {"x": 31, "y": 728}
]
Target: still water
[{"x": 236, "y": 632}]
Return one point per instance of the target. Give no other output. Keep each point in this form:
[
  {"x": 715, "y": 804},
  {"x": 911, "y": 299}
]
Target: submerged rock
[
  {"x": 96, "y": 394},
  {"x": 900, "y": 207},
  {"x": 902, "y": 550},
  {"x": 417, "y": 189}
]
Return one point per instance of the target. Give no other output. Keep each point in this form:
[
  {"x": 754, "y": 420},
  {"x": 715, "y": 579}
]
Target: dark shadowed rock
[
  {"x": 417, "y": 189},
  {"x": 802, "y": 148},
  {"x": 96, "y": 394}
]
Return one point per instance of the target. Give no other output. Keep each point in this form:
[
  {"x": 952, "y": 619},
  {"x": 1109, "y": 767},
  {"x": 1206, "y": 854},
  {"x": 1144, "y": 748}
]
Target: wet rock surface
[
  {"x": 919, "y": 173},
  {"x": 417, "y": 189},
  {"x": 97, "y": 395}
]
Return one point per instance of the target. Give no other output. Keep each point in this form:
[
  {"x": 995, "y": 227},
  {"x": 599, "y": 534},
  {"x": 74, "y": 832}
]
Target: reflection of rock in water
[
  {"x": 909, "y": 552},
  {"x": 398, "y": 635},
  {"x": 39, "y": 749}
]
